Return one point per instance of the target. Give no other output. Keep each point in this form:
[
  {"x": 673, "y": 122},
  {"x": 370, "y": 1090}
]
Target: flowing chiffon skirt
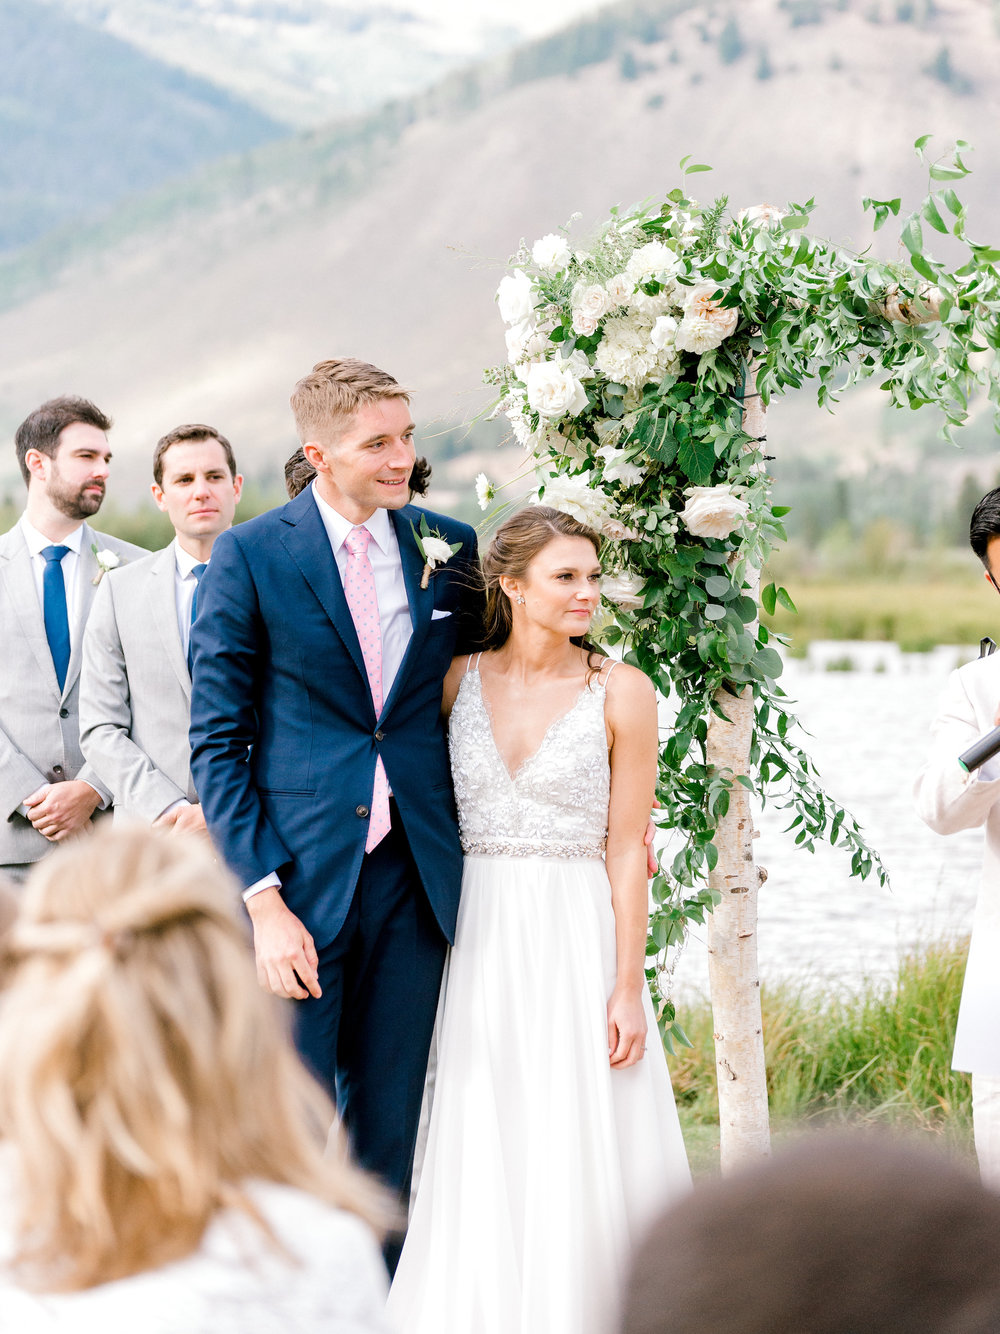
[{"x": 543, "y": 1166}]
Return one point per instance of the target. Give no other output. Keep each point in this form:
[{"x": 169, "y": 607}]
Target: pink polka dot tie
[{"x": 359, "y": 589}]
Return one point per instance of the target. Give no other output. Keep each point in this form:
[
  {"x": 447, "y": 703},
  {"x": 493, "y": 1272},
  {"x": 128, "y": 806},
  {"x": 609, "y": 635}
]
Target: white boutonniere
[
  {"x": 433, "y": 547},
  {"x": 106, "y": 560}
]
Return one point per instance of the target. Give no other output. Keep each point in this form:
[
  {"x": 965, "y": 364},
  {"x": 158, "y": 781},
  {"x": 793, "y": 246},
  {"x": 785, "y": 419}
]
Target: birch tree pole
[{"x": 638, "y": 374}]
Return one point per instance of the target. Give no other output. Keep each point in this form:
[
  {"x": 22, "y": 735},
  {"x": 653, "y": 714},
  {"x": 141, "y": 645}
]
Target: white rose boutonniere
[
  {"x": 106, "y": 560},
  {"x": 713, "y": 511},
  {"x": 433, "y": 547}
]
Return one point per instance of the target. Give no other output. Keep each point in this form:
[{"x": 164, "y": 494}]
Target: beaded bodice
[{"x": 555, "y": 805}]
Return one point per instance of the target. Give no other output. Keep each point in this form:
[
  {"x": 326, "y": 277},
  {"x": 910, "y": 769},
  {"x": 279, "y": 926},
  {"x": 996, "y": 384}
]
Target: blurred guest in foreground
[
  {"x": 841, "y": 1234},
  {"x": 164, "y": 1165}
]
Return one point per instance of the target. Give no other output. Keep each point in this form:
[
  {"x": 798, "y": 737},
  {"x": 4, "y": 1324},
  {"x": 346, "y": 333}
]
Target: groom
[{"x": 319, "y": 753}]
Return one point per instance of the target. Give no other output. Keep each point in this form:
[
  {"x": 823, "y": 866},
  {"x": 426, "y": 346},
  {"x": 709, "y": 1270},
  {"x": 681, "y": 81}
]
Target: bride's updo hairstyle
[
  {"x": 515, "y": 545},
  {"x": 145, "y": 1077}
]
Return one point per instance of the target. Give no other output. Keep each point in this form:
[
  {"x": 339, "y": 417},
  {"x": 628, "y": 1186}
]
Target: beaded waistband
[{"x": 512, "y": 847}]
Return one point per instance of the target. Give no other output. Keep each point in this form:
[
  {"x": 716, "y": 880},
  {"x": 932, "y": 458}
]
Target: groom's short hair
[{"x": 333, "y": 391}]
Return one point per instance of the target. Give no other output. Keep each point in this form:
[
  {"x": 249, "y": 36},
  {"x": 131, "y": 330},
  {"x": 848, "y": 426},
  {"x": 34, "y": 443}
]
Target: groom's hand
[{"x": 287, "y": 962}]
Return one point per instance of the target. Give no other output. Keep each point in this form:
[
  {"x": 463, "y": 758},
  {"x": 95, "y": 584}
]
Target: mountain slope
[
  {"x": 385, "y": 238},
  {"x": 86, "y": 119}
]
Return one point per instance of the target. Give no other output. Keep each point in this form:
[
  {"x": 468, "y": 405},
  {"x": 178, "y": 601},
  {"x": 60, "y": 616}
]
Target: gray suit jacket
[
  {"x": 135, "y": 690},
  {"x": 39, "y": 725}
]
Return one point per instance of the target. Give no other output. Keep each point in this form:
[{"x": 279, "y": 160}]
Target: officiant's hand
[{"x": 287, "y": 962}]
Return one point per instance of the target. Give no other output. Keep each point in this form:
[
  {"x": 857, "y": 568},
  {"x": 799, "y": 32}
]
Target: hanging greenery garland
[{"x": 625, "y": 382}]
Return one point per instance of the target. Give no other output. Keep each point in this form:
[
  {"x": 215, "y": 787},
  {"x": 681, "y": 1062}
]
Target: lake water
[{"x": 869, "y": 735}]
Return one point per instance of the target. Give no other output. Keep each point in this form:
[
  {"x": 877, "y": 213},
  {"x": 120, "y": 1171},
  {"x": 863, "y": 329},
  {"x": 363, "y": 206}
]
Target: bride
[{"x": 553, "y": 1137}]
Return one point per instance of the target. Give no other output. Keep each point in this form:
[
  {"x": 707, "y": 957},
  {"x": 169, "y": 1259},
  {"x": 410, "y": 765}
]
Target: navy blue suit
[{"x": 284, "y": 741}]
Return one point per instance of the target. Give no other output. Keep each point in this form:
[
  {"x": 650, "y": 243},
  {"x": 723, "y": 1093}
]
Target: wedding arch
[{"x": 638, "y": 376}]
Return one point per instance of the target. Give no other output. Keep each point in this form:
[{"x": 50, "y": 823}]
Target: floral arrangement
[{"x": 628, "y": 368}]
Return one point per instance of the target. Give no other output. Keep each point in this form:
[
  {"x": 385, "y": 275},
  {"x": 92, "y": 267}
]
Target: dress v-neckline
[{"x": 513, "y": 777}]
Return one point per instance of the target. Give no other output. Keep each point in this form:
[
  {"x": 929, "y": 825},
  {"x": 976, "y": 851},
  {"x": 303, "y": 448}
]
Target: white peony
[
  {"x": 618, "y": 467},
  {"x": 624, "y": 590},
  {"x": 662, "y": 333},
  {"x": 767, "y": 214},
  {"x": 589, "y": 304},
  {"x": 551, "y": 253},
  {"x": 654, "y": 260},
  {"x": 712, "y": 511},
  {"x": 579, "y": 363},
  {"x": 553, "y": 390},
  {"x": 574, "y": 496},
  {"x": 706, "y": 322},
  {"x": 516, "y": 298},
  {"x": 619, "y": 290}
]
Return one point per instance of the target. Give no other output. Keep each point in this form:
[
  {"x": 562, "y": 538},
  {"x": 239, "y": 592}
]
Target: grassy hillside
[{"x": 86, "y": 119}]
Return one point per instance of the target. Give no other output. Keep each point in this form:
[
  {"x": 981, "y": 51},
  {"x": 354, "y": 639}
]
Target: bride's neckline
[{"x": 587, "y": 689}]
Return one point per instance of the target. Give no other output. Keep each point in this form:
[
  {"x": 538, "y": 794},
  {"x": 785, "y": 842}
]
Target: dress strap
[
  {"x": 468, "y": 663},
  {"x": 604, "y": 677}
]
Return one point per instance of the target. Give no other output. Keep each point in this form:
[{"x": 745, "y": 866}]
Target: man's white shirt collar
[
  {"x": 337, "y": 527},
  {"x": 37, "y": 542},
  {"x": 185, "y": 561}
]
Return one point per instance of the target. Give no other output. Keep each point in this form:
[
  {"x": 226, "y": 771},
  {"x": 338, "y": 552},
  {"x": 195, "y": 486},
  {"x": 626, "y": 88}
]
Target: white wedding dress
[{"x": 543, "y": 1165}]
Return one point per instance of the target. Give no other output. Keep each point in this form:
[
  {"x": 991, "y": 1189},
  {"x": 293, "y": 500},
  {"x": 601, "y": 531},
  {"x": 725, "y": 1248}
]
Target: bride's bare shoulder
[{"x": 627, "y": 687}]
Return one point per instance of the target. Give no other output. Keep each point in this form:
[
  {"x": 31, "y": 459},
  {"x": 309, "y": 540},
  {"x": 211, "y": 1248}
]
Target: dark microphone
[{"x": 980, "y": 751}]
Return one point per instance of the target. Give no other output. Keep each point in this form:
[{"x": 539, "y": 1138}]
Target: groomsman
[
  {"x": 135, "y": 691},
  {"x": 50, "y": 562}
]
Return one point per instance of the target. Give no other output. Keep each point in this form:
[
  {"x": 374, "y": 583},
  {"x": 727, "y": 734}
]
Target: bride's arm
[
  {"x": 451, "y": 682},
  {"x": 631, "y": 719}
]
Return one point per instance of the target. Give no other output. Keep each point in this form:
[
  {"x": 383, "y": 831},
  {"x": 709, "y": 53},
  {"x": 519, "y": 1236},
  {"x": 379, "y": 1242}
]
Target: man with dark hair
[
  {"x": 135, "y": 688},
  {"x": 839, "y": 1234},
  {"x": 948, "y": 799},
  {"x": 50, "y": 562}
]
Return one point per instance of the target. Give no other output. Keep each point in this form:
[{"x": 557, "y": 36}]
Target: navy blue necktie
[
  {"x": 56, "y": 616},
  {"x": 197, "y": 571}
]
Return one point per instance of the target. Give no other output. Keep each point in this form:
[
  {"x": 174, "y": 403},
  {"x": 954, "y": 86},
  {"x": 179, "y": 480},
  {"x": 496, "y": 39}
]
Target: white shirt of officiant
[{"x": 394, "y": 617}]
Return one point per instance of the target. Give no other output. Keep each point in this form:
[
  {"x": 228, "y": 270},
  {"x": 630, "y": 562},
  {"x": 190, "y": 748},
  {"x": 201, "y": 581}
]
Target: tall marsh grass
[{"x": 879, "y": 1055}]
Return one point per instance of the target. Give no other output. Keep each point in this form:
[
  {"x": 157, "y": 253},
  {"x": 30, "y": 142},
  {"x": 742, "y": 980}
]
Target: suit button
[
  {"x": 57, "y": 768},
  {"x": 362, "y": 811},
  {"x": 64, "y": 713},
  {"x": 379, "y": 736}
]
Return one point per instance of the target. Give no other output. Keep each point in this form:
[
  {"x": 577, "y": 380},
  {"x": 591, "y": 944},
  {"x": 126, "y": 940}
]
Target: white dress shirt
[
  {"x": 70, "y": 564},
  {"x": 394, "y": 617},
  {"x": 184, "y": 585}
]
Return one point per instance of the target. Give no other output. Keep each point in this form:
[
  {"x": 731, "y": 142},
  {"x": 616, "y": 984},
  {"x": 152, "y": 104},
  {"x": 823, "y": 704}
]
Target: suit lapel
[
  {"x": 421, "y": 600},
  {"x": 15, "y": 559},
  {"x": 163, "y": 608},
  {"x": 306, "y": 541}
]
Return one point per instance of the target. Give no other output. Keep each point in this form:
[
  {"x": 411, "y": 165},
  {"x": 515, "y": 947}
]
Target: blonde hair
[
  {"x": 515, "y": 545},
  {"x": 144, "y": 1076},
  {"x": 333, "y": 391}
]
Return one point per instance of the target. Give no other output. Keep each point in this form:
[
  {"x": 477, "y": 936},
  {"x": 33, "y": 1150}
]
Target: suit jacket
[
  {"x": 284, "y": 736},
  {"x": 948, "y": 799},
  {"x": 39, "y": 724},
  {"x": 135, "y": 689}
]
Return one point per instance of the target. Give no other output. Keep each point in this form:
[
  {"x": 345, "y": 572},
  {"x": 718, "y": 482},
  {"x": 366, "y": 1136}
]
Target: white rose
[
  {"x": 589, "y": 303},
  {"x": 712, "y": 511},
  {"x": 618, "y": 531},
  {"x": 654, "y": 260},
  {"x": 436, "y": 550},
  {"x": 108, "y": 559},
  {"x": 516, "y": 298},
  {"x": 551, "y": 253},
  {"x": 554, "y": 391},
  {"x": 662, "y": 333},
  {"x": 706, "y": 322},
  {"x": 519, "y": 337},
  {"x": 574, "y": 496},
  {"x": 579, "y": 363},
  {"x": 624, "y": 590},
  {"x": 619, "y": 468},
  {"x": 763, "y": 213},
  {"x": 619, "y": 289}
]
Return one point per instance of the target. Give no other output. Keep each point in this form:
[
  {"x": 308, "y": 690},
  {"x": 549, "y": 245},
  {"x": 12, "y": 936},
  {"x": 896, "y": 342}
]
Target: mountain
[
  {"x": 384, "y": 237},
  {"x": 308, "y": 61},
  {"x": 86, "y": 119}
]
